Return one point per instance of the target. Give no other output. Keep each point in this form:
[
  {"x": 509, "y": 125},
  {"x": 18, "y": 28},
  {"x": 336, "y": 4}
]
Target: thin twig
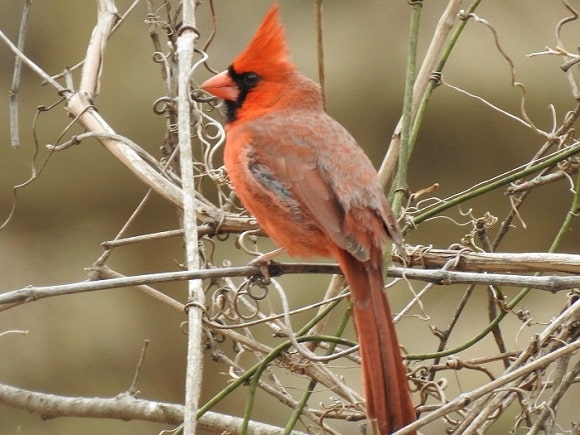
[
  {"x": 16, "y": 76},
  {"x": 30, "y": 64},
  {"x": 549, "y": 407},
  {"x": 319, "y": 9},
  {"x": 133, "y": 389},
  {"x": 104, "y": 273},
  {"x": 498, "y": 181},
  {"x": 542, "y": 180},
  {"x": 401, "y": 187},
  {"x": 528, "y": 362},
  {"x": 466, "y": 398}
]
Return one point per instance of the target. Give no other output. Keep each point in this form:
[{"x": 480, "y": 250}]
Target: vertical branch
[
  {"x": 91, "y": 77},
  {"x": 318, "y": 6},
  {"x": 14, "y": 135},
  {"x": 433, "y": 80},
  {"x": 405, "y": 150},
  {"x": 438, "y": 43},
  {"x": 570, "y": 216},
  {"x": 185, "y": 48}
]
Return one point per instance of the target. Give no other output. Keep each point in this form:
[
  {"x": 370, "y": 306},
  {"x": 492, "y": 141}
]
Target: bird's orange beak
[{"x": 222, "y": 86}]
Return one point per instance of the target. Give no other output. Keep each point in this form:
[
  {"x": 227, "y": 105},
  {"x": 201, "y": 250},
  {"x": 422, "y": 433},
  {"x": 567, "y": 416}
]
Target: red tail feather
[{"x": 387, "y": 393}]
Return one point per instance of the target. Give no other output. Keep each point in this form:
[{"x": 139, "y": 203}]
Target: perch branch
[{"x": 482, "y": 262}]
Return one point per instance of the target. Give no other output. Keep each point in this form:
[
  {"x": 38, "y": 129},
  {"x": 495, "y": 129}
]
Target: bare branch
[
  {"x": 445, "y": 277},
  {"x": 14, "y": 89},
  {"x": 436, "y": 47},
  {"x": 30, "y": 294},
  {"x": 122, "y": 407},
  {"x": 466, "y": 260},
  {"x": 186, "y": 40},
  {"x": 471, "y": 261},
  {"x": 93, "y": 67},
  {"x": 542, "y": 180},
  {"x": 548, "y": 347},
  {"x": 496, "y": 387}
]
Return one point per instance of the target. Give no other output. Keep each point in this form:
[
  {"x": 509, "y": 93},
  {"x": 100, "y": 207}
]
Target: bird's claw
[{"x": 263, "y": 264}]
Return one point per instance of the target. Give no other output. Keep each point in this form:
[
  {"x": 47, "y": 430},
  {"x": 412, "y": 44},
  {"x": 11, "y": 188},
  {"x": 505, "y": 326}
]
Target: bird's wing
[{"x": 299, "y": 162}]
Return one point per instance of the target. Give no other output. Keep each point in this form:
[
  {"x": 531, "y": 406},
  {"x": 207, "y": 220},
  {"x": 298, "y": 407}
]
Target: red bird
[{"x": 315, "y": 193}]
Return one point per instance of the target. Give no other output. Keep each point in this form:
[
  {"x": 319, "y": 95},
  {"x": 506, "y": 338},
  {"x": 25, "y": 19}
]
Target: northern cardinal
[{"x": 315, "y": 193}]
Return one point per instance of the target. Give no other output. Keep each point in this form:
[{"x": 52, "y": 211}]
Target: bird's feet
[{"x": 263, "y": 261}]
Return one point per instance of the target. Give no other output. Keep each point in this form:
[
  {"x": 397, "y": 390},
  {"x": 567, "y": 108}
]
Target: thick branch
[
  {"x": 196, "y": 298},
  {"x": 552, "y": 283},
  {"x": 123, "y": 407},
  {"x": 493, "y": 262}
]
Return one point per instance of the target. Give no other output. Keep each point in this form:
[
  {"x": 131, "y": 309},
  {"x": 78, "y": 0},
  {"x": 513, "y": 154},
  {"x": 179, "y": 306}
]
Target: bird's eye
[{"x": 251, "y": 79}]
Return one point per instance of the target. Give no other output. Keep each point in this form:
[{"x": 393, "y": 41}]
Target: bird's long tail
[{"x": 388, "y": 399}]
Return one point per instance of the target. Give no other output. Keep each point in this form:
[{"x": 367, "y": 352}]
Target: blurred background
[{"x": 88, "y": 345}]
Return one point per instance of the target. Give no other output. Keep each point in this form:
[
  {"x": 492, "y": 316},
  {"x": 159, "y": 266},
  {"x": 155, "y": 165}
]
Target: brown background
[{"x": 87, "y": 345}]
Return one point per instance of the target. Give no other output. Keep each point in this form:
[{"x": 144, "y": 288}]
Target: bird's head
[{"x": 255, "y": 80}]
